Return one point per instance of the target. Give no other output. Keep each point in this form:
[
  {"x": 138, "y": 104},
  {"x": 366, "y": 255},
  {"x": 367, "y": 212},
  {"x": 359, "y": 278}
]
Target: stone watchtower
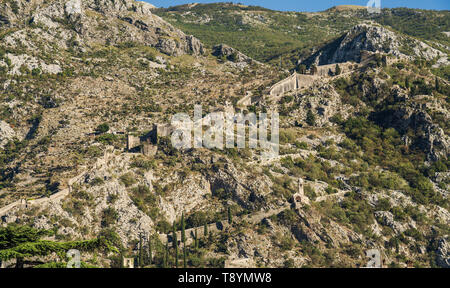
[{"x": 300, "y": 198}]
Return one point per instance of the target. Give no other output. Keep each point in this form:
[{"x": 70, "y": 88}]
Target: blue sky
[{"x": 317, "y": 5}]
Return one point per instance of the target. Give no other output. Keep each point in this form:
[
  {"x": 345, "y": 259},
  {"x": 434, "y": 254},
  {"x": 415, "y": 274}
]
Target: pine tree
[
  {"x": 23, "y": 242},
  {"x": 338, "y": 70}
]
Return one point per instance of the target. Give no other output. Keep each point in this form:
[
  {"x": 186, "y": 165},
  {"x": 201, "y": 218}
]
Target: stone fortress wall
[
  {"x": 302, "y": 81},
  {"x": 25, "y": 203}
]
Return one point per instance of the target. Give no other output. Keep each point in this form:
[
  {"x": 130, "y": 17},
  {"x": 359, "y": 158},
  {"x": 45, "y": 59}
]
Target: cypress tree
[
  {"x": 150, "y": 252},
  {"x": 184, "y": 257},
  {"x": 176, "y": 256},
  {"x": 183, "y": 235},
  {"x": 195, "y": 240},
  {"x": 205, "y": 230},
  {"x": 174, "y": 236},
  {"x": 338, "y": 70},
  {"x": 437, "y": 85},
  {"x": 166, "y": 255},
  {"x": 141, "y": 255},
  {"x": 230, "y": 216}
]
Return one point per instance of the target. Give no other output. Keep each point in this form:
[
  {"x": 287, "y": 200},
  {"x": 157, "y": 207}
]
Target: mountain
[
  {"x": 89, "y": 89},
  {"x": 285, "y": 37},
  {"x": 373, "y": 38}
]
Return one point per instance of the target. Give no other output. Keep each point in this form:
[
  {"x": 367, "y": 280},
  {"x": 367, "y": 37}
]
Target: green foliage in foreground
[{"x": 22, "y": 242}]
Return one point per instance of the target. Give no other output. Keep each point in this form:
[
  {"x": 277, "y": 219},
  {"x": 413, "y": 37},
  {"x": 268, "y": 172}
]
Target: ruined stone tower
[
  {"x": 300, "y": 198},
  {"x": 300, "y": 186}
]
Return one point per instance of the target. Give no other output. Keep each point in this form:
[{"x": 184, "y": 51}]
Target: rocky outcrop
[
  {"x": 373, "y": 39},
  {"x": 128, "y": 21},
  {"x": 6, "y": 133},
  {"x": 176, "y": 47},
  {"x": 18, "y": 62},
  {"x": 413, "y": 115},
  {"x": 387, "y": 219},
  {"x": 443, "y": 253},
  {"x": 231, "y": 54}
]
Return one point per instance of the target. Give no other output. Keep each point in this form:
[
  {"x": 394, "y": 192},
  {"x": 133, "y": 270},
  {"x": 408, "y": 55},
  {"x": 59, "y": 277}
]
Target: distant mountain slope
[
  {"x": 274, "y": 36},
  {"x": 374, "y": 38}
]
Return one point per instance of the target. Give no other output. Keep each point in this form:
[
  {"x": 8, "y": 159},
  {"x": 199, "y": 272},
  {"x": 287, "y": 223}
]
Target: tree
[
  {"x": 301, "y": 69},
  {"x": 176, "y": 256},
  {"x": 166, "y": 256},
  {"x": 195, "y": 240},
  {"x": 150, "y": 252},
  {"x": 230, "y": 216},
  {"x": 184, "y": 256},
  {"x": 174, "y": 235},
  {"x": 205, "y": 229},
  {"x": 183, "y": 235},
  {"x": 310, "y": 118},
  {"x": 102, "y": 128},
  {"x": 141, "y": 255},
  {"x": 437, "y": 87},
  {"x": 338, "y": 70},
  {"x": 23, "y": 242}
]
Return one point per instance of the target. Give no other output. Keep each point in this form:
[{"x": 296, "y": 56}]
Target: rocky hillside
[
  {"x": 281, "y": 38},
  {"x": 88, "y": 89},
  {"x": 373, "y": 38}
]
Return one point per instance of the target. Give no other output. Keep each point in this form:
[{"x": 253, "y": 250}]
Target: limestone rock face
[
  {"x": 127, "y": 21},
  {"x": 74, "y": 11},
  {"x": 6, "y": 133},
  {"x": 443, "y": 253},
  {"x": 387, "y": 218},
  {"x": 175, "y": 47},
  {"x": 372, "y": 39},
  {"x": 223, "y": 50},
  {"x": 412, "y": 115}
]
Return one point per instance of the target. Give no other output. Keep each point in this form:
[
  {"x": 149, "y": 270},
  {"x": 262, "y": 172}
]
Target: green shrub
[
  {"x": 128, "y": 179},
  {"x": 110, "y": 217},
  {"x": 102, "y": 128}
]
